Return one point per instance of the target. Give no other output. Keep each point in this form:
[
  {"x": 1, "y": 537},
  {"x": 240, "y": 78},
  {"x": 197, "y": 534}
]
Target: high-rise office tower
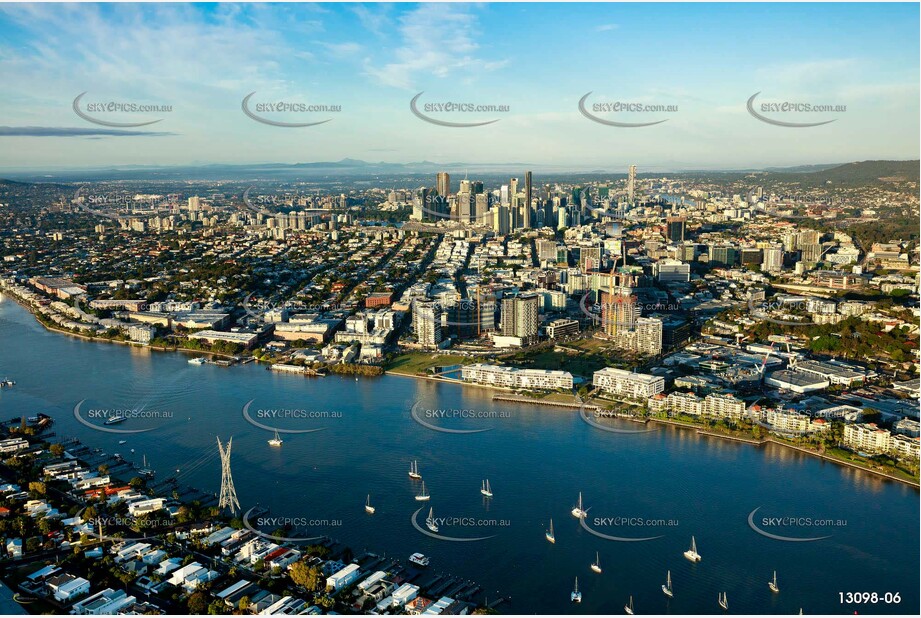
[
  {"x": 675, "y": 228},
  {"x": 482, "y": 208},
  {"x": 464, "y": 209},
  {"x": 528, "y": 198},
  {"x": 443, "y": 183},
  {"x": 631, "y": 183},
  {"x": 513, "y": 186},
  {"x": 503, "y": 195},
  {"x": 500, "y": 220},
  {"x": 422, "y": 198}
]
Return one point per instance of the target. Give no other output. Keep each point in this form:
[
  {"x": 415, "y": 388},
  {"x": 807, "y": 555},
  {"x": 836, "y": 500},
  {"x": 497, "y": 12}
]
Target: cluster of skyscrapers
[{"x": 514, "y": 206}]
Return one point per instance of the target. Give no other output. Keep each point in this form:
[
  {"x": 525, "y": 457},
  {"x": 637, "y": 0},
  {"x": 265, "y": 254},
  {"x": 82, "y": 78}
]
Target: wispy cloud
[
  {"x": 436, "y": 40},
  {"x": 607, "y": 27},
  {"x": 75, "y": 132}
]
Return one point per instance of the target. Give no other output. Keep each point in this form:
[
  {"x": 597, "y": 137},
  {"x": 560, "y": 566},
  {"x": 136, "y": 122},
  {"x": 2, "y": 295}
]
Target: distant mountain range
[{"x": 864, "y": 172}]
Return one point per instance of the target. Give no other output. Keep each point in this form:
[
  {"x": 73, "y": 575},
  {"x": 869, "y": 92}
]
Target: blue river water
[{"x": 669, "y": 484}]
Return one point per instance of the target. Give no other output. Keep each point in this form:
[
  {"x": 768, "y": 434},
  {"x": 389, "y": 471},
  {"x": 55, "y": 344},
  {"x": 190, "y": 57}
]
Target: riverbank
[
  {"x": 133, "y": 344},
  {"x": 843, "y": 462},
  {"x": 510, "y": 398},
  {"x": 772, "y": 440}
]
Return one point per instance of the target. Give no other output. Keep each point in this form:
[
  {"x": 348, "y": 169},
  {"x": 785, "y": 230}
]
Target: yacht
[
  {"x": 144, "y": 470},
  {"x": 773, "y": 584},
  {"x": 114, "y": 420},
  {"x": 667, "y": 586},
  {"x": 691, "y": 554},
  {"x": 198, "y": 360},
  {"x": 7, "y": 383},
  {"x": 368, "y": 508},
  {"x": 596, "y": 565},
  {"x": 276, "y": 441},
  {"x": 419, "y": 559},
  {"x": 549, "y": 533},
  {"x": 122, "y": 441},
  {"x": 628, "y": 608},
  {"x": 423, "y": 495},
  {"x": 578, "y": 511},
  {"x": 430, "y": 521},
  {"x": 486, "y": 490},
  {"x": 414, "y": 470},
  {"x": 724, "y": 602},
  {"x": 576, "y": 596}
]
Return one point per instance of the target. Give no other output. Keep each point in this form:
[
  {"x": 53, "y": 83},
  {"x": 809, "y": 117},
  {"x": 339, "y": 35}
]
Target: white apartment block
[
  {"x": 866, "y": 437},
  {"x": 510, "y": 377},
  {"x": 627, "y": 384}
]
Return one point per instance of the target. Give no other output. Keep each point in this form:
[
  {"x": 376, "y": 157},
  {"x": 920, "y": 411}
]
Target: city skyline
[{"x": 533, "y": 63}]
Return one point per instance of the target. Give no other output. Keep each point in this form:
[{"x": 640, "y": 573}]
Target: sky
[{"x": 539, "y": 60}]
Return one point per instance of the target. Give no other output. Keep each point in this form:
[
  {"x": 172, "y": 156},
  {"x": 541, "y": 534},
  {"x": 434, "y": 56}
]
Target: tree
[
  {"x": 56, "y": 449},
  {"x": 303, "y": 574},
  {"x": 37, "y": 487},
  {"x": 198, "y": 602}
]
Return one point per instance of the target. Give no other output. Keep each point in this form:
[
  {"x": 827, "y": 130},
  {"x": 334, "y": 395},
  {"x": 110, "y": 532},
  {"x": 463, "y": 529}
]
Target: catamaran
[
  {"x": 724, "y": 602},
  {"x": 773, "y": 584},
  {"x": 667, "y": 586},
  {"x": 368, "y": 507},
  {"x": 423, "y": 495},
  {"x": 549, "y": 533},
  {"x": 485, "y": 489},
  {"x": 596, "y": 565},
  {"x": 430, "y": 521},
  {"x": 692, "y": 554},
  {"x": 116, "y": 418},
  {"x": 414, "y": 470},
  {"x": 577, "y": 511},
  {"x": 576, "y": 596},
  {"x": 276, "y": 441},
  {"x": 628, "y": 608}
]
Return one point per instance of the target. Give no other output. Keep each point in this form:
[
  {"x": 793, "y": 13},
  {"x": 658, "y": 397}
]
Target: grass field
[{"x": 415, "y": 363}]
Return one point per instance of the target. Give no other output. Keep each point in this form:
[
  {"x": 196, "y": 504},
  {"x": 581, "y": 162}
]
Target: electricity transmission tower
[{"x": 228, "y": 498}]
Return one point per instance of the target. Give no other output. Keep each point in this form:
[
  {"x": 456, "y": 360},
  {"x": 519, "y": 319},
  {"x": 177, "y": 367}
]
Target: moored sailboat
[
  {"x": 667, "y": 586},
  {"x": 578, "y": 511},
  {"x": 430, "y": 521},
  {"x": 549, "y": 533},
  {"x": 576, "y": 596},
  {"x": 691, "y": 554},
  {"x": 423, "y": 495}
]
